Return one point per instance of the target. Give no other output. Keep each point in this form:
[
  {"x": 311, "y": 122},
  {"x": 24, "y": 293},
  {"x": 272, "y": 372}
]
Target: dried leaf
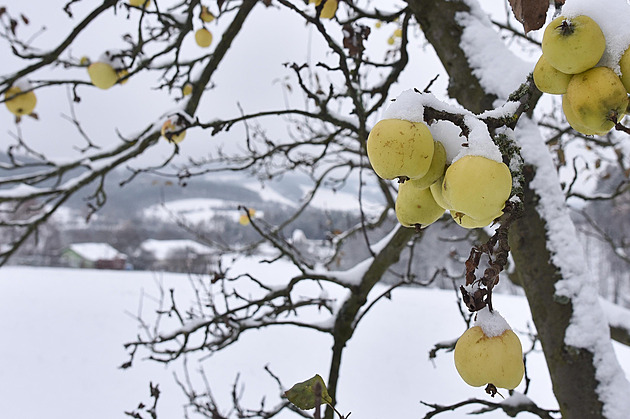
[
  {"x": 308, "y": 394},
  {"x": 531, "y": 13},
  {"x": 353, "y": 37}
]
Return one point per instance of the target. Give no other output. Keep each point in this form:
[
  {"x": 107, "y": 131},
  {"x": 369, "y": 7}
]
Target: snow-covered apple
[
  {"x": 482, "y": 360},
  {"x": 573, "y": 45}
]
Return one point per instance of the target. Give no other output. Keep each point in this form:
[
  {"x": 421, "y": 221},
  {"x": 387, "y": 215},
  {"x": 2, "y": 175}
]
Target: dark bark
[
  {"x": 571, "y": 369},
  {"x": 437, "y": 19}
]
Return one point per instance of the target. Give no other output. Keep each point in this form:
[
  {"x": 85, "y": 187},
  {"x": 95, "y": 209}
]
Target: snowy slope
[{"x": 63, "y": 330}]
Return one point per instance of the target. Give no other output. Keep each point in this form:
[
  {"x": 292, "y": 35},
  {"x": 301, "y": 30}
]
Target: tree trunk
[{"x": 571, "y": 369}]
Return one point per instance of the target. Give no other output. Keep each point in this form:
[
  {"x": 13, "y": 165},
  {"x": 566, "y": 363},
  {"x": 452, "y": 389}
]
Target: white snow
[
  {"x": 492, "y": 323},
  {"x": 499, "y": 71},
  {"x": 611, "y": 18},
  {"x": 517, "y": 399},
  {"x": 113, "y": 58},
  {"x": 96, "y": 251},
  {"x": 479, "y": 141},
  {"x": 23, "y": 84},
  {"x": 162, "y": 248},
  {"x": 21, "y": 190},
  {"x": 269, "y": 194},
  {"x": 194, "y": 210},
  {"x": 451, "y": 137},
  {"x": 80, "y": 315},
  {"x": 331, "y": 200},
  {"x": 409, "y": 105},
  {"x": 616, "y": 315}
]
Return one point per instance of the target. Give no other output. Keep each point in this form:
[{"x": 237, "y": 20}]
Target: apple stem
[
  {"x": 613, "y": 116},
  {"x": 566, "y": 28}
]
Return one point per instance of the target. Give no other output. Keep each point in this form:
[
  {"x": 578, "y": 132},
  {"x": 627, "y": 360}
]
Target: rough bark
[
  {"x": 437, "y": 19},
  {"x": 571, "y": 369}
]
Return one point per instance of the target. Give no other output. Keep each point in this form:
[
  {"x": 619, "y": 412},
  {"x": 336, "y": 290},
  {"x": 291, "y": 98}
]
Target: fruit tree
[{"x": 488, "y": 119}]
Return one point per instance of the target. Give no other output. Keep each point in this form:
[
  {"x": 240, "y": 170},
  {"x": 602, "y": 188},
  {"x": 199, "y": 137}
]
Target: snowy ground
[{"x": 62, "y": 334}]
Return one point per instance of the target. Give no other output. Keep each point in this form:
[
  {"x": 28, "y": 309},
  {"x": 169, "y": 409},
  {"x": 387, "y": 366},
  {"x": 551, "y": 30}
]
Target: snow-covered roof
[
  {"x": 96, "y": 251},
  {"x": 162, "y": 248}
]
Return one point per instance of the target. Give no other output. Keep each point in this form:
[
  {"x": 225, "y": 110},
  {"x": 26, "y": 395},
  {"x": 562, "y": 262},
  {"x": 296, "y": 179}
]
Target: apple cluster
[
  {"x": 473, "y": 188},
  {"x": 594, "y": 98},
  {"x": 490, "y": 353}
]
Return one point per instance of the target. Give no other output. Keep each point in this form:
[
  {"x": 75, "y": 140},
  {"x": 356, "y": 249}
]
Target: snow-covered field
[{"x": 63, "y": 332}]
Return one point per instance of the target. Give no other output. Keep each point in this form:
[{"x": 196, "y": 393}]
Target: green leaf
[{"x": 306, "y": 395}]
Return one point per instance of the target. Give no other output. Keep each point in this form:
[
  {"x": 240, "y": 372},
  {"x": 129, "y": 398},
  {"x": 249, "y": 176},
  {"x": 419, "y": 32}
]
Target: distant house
[
  {"x": 179, "y": 255},
  {"x": 93, "y": 255}
]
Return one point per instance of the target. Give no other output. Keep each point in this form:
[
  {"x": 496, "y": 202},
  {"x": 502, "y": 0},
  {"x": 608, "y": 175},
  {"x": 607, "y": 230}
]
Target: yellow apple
[
  {"x": 477, "y": 186},
  {"x": 400, "y": 148},
  {"x": 102, "y": 75},
  {"x": 550, "y": 80},
  {"x": 140, "y": 3},
  {"x": 624, "y": 64},
  {"x": 244, "y": 219},
  {"x": 573, "y": 45},
  {"x": 391, "y": 40},
  {"x": 206, "y": 15},
  {"x": 437, "y": 168},
  {"x": 168, "y": 131},
  {"x": 482, "y": 360},
  {"x": 575, "y": 122},
  {"x": 436, "y": 191},
  {"x": 597, "y": 98},
  {"x": 329, "y": 9},
  {"x": 203, "y": 37},
  {"x": 121, "y": 75},
  {"x": 468, "y": 222},
  {"x": 398, "y": 33},
  {"x": 187, "y": 89},
  {"x": 20, "y": 103},
  {"x": 416, "y": 206}
]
